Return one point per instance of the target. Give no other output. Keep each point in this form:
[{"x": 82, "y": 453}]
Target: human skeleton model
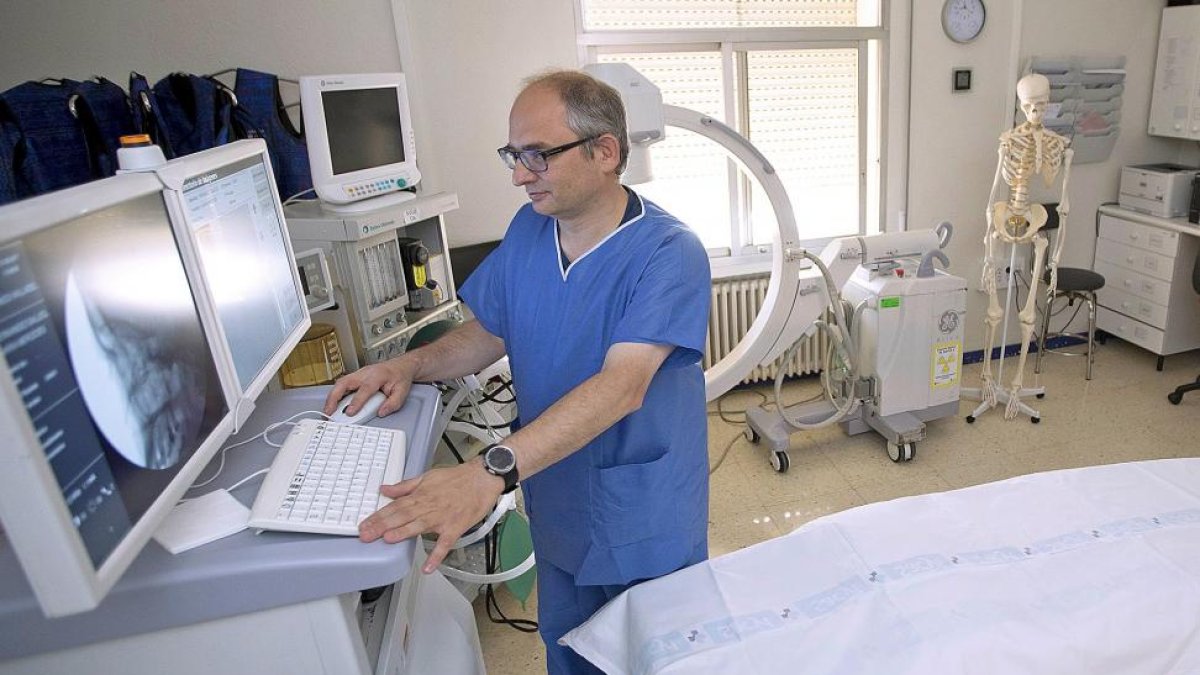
[{"x": 1025, "y": 152}]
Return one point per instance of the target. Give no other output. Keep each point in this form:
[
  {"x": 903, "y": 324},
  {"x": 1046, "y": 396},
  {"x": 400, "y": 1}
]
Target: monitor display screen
[
  {"x": 99, "y": 327},
  {"x": 364, "y": 127},
  {"x": 243, "y": 248}
]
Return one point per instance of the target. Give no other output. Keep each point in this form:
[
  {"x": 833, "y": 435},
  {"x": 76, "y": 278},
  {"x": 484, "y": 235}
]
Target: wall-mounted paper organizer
[{"x": 1085, "y": 102}]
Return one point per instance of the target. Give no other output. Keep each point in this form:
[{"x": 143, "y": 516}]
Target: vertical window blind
[{"x": 695, "y": 14}]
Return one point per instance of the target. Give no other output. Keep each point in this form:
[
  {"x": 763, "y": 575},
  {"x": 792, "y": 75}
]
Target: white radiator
[{"x": 735, "y": 303}]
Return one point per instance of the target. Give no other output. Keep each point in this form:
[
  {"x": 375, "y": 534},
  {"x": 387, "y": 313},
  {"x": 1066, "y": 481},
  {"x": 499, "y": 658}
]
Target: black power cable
[
  {"x": 453, "y": 450},
  {"x": 491, "y": 552}
]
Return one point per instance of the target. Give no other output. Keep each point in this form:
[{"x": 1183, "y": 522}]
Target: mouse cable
[{"x": 263, "y": 435}]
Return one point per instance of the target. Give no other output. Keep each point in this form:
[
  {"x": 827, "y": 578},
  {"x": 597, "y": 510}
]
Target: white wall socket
[{"x": 1001, "y": 270}]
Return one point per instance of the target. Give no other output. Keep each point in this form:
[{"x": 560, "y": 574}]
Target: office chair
[
  {"x": 1074, "y": 283},
  {"x": 1177, "y": 395}
]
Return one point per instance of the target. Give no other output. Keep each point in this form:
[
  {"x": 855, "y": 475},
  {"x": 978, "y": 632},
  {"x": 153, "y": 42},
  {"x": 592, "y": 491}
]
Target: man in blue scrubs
[{"x": 600, "y": 299}]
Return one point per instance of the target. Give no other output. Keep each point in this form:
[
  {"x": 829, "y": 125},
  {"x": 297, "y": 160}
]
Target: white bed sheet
[{"x": 1091, "y": 570}]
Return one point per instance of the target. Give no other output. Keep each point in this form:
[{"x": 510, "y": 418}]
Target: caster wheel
[
  {"x": 780, "y": 461},
  {"x": 970, "y": 419},
  {"x": 1042, "y": 395},
  {"x": 751, "y": 435},
  {"x": 1175, "y": 397},
  {"x": 1035, "y": 420},
  {"x": 901, "y": 452}
]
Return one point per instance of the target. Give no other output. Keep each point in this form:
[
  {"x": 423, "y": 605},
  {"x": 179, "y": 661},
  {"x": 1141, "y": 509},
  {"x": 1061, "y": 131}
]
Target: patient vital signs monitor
[
  {"x": 360, "y": 136},
  {"x": 137, "y": 315}
]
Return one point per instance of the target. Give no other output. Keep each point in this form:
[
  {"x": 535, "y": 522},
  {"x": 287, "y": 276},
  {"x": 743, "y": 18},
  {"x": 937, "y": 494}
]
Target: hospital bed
[{"x": 1090, "y": 570}]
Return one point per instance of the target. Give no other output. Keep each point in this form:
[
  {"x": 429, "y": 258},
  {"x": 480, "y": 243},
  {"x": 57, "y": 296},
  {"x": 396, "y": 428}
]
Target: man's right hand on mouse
[{"x": 394, "y": 378}]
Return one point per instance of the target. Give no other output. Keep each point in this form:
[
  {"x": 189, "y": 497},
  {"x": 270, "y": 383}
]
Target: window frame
[{"x": 870, "y": 42}]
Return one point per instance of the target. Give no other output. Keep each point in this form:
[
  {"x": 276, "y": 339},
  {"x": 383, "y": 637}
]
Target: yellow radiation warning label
[{"x": 947, "y": 362}]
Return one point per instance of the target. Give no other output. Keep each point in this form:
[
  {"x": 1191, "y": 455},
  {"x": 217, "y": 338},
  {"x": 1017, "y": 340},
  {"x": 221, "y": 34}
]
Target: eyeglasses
[{"x": 536, "y": 160}]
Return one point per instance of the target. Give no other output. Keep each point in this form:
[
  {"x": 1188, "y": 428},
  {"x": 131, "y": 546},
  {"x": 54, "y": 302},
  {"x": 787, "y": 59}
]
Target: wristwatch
[{"x": 501, "y": 461}]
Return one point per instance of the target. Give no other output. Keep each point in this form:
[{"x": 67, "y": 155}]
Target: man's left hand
[{"x": 446, "y": 501}]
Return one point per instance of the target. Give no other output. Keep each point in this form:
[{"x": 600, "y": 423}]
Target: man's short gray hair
[{"x": 593, "y": 107}]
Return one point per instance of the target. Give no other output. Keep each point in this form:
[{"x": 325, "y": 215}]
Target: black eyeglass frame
[{"x": 510, "y": 155}]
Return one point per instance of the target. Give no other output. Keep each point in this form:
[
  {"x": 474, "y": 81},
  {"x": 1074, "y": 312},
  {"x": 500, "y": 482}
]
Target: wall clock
[{"x": 963, "y": 19}]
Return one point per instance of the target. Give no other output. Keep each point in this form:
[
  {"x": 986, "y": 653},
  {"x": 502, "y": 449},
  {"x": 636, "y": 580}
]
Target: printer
[{"x": 1163, "y": 190}]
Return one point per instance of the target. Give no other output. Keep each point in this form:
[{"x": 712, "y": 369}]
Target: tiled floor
[{"x": 1121, "y": 415}]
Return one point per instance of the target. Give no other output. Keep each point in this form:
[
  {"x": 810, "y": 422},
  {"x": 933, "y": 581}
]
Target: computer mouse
[{"x": 365, "y": 414}]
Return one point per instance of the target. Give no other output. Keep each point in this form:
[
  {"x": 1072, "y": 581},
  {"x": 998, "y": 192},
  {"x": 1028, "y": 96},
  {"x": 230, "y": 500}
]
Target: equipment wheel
[
  {"x": 751, "y": 435},
  {"x": 1175, "y": 397},
  {"x": 780, "y": 461},
  {"x": 970, "y": 419},
  {"x": 1035, "y": 420},
  {"x": 901, "y": 452}
]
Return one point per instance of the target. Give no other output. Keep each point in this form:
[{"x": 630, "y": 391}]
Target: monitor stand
[{"x": 372, "y": 203}]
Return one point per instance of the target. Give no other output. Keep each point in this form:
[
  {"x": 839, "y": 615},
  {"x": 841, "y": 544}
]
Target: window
[{"x": 799, "y": 78}]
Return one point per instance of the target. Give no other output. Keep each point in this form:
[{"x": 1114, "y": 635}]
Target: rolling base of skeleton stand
[
  {"x": 901, "y": 431},
  {"x": 1002, "y": 398}
]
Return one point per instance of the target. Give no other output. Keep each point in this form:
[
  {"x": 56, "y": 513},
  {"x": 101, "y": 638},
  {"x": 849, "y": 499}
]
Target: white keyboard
[{"x": 326, "y": 478}]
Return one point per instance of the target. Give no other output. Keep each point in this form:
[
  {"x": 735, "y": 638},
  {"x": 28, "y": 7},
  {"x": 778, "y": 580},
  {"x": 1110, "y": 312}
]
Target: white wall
[
  {"x": 68, "y": 38},
  {"x": 466, "y": 59}
]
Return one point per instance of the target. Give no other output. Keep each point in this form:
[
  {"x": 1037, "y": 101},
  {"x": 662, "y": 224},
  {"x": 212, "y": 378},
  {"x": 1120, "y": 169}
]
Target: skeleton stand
[{"x": 999, "y": 396}]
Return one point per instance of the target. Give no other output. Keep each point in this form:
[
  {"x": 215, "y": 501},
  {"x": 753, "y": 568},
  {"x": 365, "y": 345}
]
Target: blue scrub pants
[
  {"x": 564, "y": 605},
  {"x": 561, "y": 607}
]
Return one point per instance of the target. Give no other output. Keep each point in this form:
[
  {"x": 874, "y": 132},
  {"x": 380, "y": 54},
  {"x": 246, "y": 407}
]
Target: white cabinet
[
  {"x": 1147, "y": 297},
  {"x": 418, "y": 621}
]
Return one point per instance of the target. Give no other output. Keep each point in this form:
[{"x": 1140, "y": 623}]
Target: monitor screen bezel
[
  {"x": 329, "y": 185},
  {"x": 36, "y": 519},
  {"x": 173, "y": 176}
]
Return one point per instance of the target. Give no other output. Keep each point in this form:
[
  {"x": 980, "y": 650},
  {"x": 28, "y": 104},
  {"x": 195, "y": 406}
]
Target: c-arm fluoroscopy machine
[{"x": 895, "y": 323}]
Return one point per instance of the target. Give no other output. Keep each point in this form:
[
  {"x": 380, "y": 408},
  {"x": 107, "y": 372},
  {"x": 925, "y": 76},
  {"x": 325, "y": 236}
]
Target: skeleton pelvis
[{"x": 1013, "y": 226}]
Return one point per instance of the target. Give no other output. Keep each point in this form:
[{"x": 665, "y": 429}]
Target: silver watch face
[{"x": 499, "y": 460}]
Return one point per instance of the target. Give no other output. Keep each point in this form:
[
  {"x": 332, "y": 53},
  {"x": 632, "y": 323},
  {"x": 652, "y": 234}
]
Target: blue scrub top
[{"x": 633, "y": 503}]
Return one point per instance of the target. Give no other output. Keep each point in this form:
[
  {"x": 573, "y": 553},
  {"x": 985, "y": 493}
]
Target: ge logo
[{"x": 949, "y": 321}]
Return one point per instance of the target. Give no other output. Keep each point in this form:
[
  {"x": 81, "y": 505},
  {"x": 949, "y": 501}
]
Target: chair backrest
[{"x": 1051, "y": 216}]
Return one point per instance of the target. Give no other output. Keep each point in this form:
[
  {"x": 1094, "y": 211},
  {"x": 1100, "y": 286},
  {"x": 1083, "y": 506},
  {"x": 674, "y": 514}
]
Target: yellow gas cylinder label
[{"x": 947, "y": 360}]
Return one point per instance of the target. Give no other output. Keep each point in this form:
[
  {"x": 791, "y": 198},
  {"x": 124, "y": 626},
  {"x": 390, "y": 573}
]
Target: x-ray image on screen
[
  {"x": 143, "y": 385},
  {"x": 108, "y": 348},
  {"x": 133, "y": 337}
]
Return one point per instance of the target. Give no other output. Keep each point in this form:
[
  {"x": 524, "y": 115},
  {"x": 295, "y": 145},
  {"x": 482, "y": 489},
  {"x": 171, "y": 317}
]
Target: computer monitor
[
  {"x": 359, "y": 135},
  {"x": 112, "y": 389},
  {"x": 226, "y": 201}
]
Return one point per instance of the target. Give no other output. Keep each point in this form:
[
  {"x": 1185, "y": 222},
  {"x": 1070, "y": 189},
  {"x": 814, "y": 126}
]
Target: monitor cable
[{"x": 296, "y": 197}]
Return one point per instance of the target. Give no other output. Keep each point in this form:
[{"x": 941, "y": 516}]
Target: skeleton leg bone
[
  {"x": 992, "y": 320},
  {"x": 1026, "y": 316}
]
